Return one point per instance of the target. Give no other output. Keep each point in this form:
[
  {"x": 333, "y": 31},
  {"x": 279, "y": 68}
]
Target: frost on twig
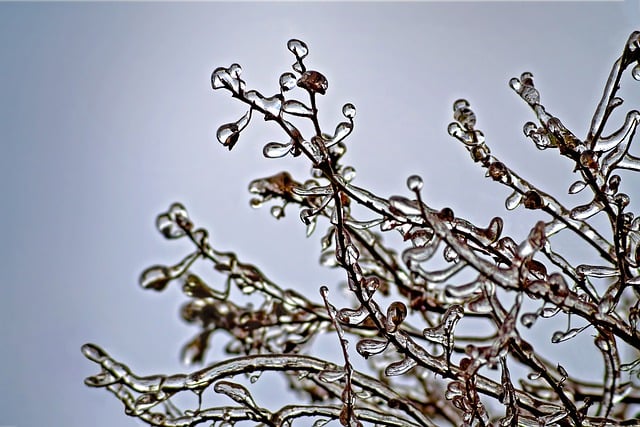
[{"x": 406, "y": 304}]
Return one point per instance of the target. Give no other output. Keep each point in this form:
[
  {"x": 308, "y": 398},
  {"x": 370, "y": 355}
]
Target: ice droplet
[
  {"x": 415, "y": 183},
  {"x": 577, "y": 187},
  {"x": 332, "y": 375},
  {"x": 218, "y": 77},
  {"x": 348, "y": 173},
  {"x": 586, "y": 211},
  {"x": 349, "y": 110},
  {"x": 633, "y": 42},
  {"x": 563, "y": 372},
  {"x": 528, "y": 319},
  {"x": 396, "y": 314},
  {"x": 549, "y": 311},
  {"x": 455, "y": 130},
  {"x": 401, "y": 367},
  {"x": 172, "y": 224},
  {"x": 343, "y": 129},
  {"x": 277, "y": 211},
  {"x": 100, "y": 380},
  {"x": 560, "y": 336},
  {"x": 235, "y": 70},
  {"x": 156, "y": 277},
  {"x": 227, "y": 77},
  {"x": 287, "y": 81},
  {"x": 296, "y": 108},
  {"x": 622, "y": 200},
  {"x": 635, "y": 72},
  {"x": 274, "y": 150},
  {"x": 228, "y": 134},
  {"x": 513, "y": 201},
  {"x": 515, "y": 84},
  {"x": 614, "y": 183},
  {"x": 459, "y": 104},
  {"x": 93, "y": 353},
  {"x": 529, "y": 128},
  {"x": 298, "y": 48},
  {"x": 297, "y": 66},
  {"x": 534, "y": 375},
  {"x": 368, "y": 347},
  {"x": 353, "y": 317}
]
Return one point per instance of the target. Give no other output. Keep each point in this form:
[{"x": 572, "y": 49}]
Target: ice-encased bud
[
  {"x": 533, "y": 200},
  {"x": 498, "y": 171},
  {"x": 313, "y": 82},
  {"x": 524, "y": 87},
  {"x": 463, "y": 114}
]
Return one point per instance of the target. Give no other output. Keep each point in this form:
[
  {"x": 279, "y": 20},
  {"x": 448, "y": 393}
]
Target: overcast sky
[{"x": 107, "y": 116}]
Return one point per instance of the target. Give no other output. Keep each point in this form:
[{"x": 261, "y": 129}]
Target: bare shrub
[{"x": 406, "y": 311}]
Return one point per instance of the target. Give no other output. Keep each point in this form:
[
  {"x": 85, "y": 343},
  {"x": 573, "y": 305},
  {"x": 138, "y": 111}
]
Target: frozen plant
[{"x": 406, "y": 311}]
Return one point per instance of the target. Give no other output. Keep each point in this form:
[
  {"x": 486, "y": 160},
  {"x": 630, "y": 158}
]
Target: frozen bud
[
  {"x": 589, "y": 159},
  {"x": 313, "y": 82},
  {"x": 463, "y": 114},
  {"x": 480, "y": 153},
  {"x": 622, "y": 200},
  {"x": 446, "y": 214},
  {"x": 498, "y": 171},
  {"x": 532, "y": 200}
]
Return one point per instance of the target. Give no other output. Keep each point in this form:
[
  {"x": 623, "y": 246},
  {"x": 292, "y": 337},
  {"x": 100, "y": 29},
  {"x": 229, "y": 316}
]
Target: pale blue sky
[{"x": 107, "y": 116}]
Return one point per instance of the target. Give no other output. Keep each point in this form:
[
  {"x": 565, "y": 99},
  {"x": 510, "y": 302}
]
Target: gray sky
[{"x": 107, "y": 116}]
